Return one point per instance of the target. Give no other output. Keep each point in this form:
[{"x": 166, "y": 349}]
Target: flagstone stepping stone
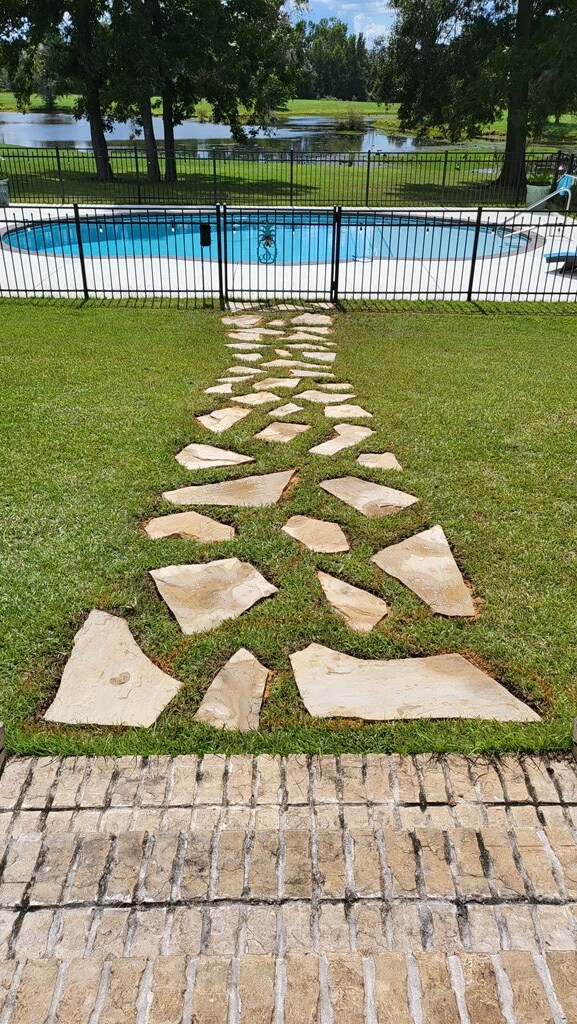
[
  {"x": 347, "y": 436},
  {"x": 276, "y": 323},
  {"x": 304, "y": 343},
  {"x": 249, "y": 357},
  {"x": 257, "y": 398},
  {"x": 372, "y": 500},
  {"x": 243, "y": 371},
  {"x": 312, "y": 320},
  {"x": 360, "y": 609},
  {"x": 352, "y": 412},
  {"x": 305, "y": 336},
  {"x": 338, "y": 386},
  {"x": 244, "y": 346},
  {"x": 335, "y": 685},
  {"x": 206, "y": 456},
  {"x": 382, "y": 460},
  {"x": 189, "y": 525},
  {"x": 241, "y": 321},
  {"x": 254, "y": 335},
  {"x": 283, "y": 432},
  {"x": 312, "y": 374},
  {"x": 283, "y": 352},
  {"x": 219, "y": 389},
  {"x": 425, "y": 564},
  {"x": 316, "y": 332},
  {"x": 321, "y": 357},
  {"x": 317, "y": 534},
  {"x": 275, "y": 382},
  {"x": 290, "y": 364},
  {"x": 322, "y": 398},
  {"x": 286, "y": 410},
  {"x": 108, "y": 680},
  {"x": 248, "y": 492},
  {"x": 202, "y": 596},
  {"x": 234, "y": 698},
  {"x": 222, "y": 419}
]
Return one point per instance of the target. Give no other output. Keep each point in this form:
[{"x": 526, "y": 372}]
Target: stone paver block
[
  {"x": 35, "y": 992},
  {"x": 529, "y": 999},
  {"x": 256, "y": 989},
  {"x": 80, "y": 991}
]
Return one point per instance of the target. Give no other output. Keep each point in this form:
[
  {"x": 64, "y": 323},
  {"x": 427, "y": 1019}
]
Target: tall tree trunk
[
  {"x": 98, "y": 138},
  {"x": 513, "y": 174},
  {"x": 168, "y": 124},
  {"x": 152, "y": 163}
]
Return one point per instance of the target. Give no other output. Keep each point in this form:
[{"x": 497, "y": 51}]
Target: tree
[
  {"x": 459, "y": 63},
  {"x": 79, "y": 34},
  {"x": 334, "y": 61}
]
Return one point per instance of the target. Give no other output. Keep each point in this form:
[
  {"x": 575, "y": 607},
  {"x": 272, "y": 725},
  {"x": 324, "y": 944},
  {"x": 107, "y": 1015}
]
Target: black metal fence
[
  {"x": 215, "y": 254},
  {"x": 257, "y": 177}
]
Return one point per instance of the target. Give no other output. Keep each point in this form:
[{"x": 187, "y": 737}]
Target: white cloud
[{"x": 370, "y": 27}]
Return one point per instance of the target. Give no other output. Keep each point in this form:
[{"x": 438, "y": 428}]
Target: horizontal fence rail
[
  {"x": 258, "y": 177},
  {"x": 215, "y": 254}
]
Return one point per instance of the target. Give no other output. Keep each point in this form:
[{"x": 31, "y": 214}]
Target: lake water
[{"x": 308, "y": 134}]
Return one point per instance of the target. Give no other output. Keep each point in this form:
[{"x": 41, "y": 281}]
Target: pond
[{"x": 304, "y": 134}]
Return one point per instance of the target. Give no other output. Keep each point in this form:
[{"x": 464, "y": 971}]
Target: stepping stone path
[
  {"x": 425, "y": 564},
  {"x": 234, "y": 698},
  {"x": 202, "y": 596},
  {"x": 109, "y": 680}
]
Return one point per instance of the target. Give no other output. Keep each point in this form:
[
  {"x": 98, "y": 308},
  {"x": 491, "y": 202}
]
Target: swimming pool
[{"x": 269, "y": 237}]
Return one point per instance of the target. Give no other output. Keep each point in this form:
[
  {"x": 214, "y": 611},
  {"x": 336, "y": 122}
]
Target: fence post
[
  {"x": 444, "y": 182},
  {"x": 336, "y": 254},
  {"x": 368, "y": 178},
  {"x": 558, "y": 163},
  {"x": 219, "y": 251},
  {"x": 474, "y": 253},
  {"x": 292, "y": 202},
  {"x": 80, "y": 251},
  {"x": 225, "y": 255},
  {"x": 137, "y": 168},
  {"x": 214, "y": 181},
  {"x": 59, "y": 166}
]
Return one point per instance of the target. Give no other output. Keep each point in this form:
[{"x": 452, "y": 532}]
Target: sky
[{"x": 373, "y": 17}]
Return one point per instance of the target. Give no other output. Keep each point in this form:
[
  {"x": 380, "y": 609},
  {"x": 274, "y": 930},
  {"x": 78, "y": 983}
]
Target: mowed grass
[{"x": 478, "y": 407}]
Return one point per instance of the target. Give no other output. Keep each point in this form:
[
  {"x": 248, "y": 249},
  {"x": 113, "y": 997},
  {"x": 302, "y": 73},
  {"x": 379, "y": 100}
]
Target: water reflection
[{"x": 303, "y": 134}]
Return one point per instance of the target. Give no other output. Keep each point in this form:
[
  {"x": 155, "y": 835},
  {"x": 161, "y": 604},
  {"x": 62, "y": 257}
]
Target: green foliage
[{"x": 335, "y": 63}]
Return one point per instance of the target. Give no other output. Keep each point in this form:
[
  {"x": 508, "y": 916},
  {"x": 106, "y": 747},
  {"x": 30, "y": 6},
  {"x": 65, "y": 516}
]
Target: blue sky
[{"x": 373, "y": 17}]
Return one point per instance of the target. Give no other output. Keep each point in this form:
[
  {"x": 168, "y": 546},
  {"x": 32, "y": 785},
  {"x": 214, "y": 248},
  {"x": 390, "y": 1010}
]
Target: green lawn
[{"x": 479, "y": 407}]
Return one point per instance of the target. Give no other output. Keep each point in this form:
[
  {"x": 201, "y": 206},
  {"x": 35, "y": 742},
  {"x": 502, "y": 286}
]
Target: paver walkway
[{"x": 355, "y": 890}]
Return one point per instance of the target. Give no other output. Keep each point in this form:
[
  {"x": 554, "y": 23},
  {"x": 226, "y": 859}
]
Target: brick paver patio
[{"x": 377, "y": 890}]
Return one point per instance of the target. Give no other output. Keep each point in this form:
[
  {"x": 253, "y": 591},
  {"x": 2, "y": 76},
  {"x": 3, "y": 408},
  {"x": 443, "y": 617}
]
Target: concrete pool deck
[{"x": 524, "y": 276}]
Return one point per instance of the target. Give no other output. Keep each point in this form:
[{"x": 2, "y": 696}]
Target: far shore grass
[{"x": 478, "y": 404}]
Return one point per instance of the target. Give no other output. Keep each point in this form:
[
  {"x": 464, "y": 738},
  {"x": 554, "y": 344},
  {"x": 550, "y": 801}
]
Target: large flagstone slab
[
  {"x": 361, "y": 610},
  {"x": 370, "y": 499},
  {"x": 351, "y": 412},
  {"x": 284, "y": 353},
  {"x": 347, "y": 435},
  {"x": 222, "y": 419},
  {"x": 312, "y": 320},
  {"x": 336, "y": 385},
  {"x": 244, "y": 320},
  {"x": 335, "y": 685},
  {"x": 220, "y": 389},
  {"x": 202, "y": 596},
  {"x": 207, "y": 456},
  {"x": 276, "y": 323},
  {"x": 323, "y": 398},
  {"x": 317, "y": 534},
  {"x": 321, "y": 357},
  {"x": 315, "y": 332},
  {"x": 234, "y": 698},
  {"x": 248, "y": 357},
  {"x": 242, "y": 371},
  {"x": 248, "y": 492},
  {"x": 189, "y": 525},
  {"x": 379, "y": 460},
  {"x": 275, "y": 382},
  {"x": 283, "y": 432},
  {"x": 425, "y": 564},
  {"x": 286, "y": 410},
  {"x": 256, "y": 398},
  {"x": 108, "y": 680}
]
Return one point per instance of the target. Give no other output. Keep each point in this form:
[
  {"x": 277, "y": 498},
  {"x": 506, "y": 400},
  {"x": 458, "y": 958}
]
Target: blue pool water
[{"x": 288, "y": 237}]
